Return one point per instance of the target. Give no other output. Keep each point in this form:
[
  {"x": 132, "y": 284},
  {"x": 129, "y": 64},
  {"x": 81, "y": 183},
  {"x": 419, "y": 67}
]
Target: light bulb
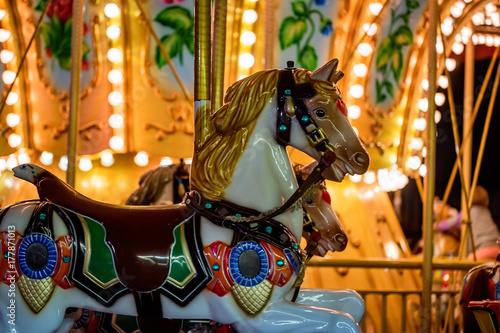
[
  {"x": 354, "y": 111},
  {"x": 451, "y": 64},
  {"x": 14, "y": 140},
  {"x": 114, "y": 55},
  {"x": 248, "y": 38},
  {"x": 63, "y": 163},
  {"x": 6, "y": 56},
  {"x": 369, "y": 177},
  {"x": 365, "y": 49},
  {"x": 113, "y": 32},
  {"x": 111, "y": 10},
  {"x": 360, "y": 70},
  {"x": 115, "y": 98},
  {"x": 46, "y": 158},
  {"x": 246, "y": 60},
  {"x": 250, "y": 16},
  {"x": 439, "y": 98},
  {"x": 375, "y": 8},
  {"x": 420, "y": 124},
  {"x": 12, "y": 98},
  {"x": 107, "y": 159},
  {"x": 8, "y": 77},
  {"x": 166, "y": 161},
  {"x": 85, "y": 164},
  {"x": 4, "y": 35},
  {"x": 115, "y": 76},
  {"x": 423, "y": 104},
  {"x": 141, "y": 159},
  {"x": 115, "y": 121},
  {"x": 13, "y": 119},
  {"x": 116, "y": 143},
  {"x": 370, "y": 29},
  {"x": 357, "y": 91}
]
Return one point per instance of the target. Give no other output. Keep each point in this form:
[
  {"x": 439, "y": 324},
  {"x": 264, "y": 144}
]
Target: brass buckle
[{"x": 316, "y": 137}]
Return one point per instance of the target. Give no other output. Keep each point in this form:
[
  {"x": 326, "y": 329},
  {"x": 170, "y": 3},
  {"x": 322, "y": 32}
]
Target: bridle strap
[{"x": 288, "y": 89}]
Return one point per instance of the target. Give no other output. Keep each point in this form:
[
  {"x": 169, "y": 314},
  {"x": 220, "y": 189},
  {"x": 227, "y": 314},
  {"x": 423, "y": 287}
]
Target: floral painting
[
  {"x": 180, "y": 20},
  {"x": 298, "y": 30},
  {"x": 56, "y": 33}
]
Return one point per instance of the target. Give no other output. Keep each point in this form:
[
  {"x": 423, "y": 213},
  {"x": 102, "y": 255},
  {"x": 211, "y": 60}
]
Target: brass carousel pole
[
  {"x": 429, "y": 181},
  {"x": 202, "y": 47},
  {"x": 218, "y": 53},
  {"x": 74, "y": 91}
]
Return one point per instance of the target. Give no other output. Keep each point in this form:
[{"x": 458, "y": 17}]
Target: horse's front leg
[{"x": 292, "y": 317}]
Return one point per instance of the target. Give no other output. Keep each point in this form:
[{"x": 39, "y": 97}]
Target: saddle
[{"x": 139, "y": 236}]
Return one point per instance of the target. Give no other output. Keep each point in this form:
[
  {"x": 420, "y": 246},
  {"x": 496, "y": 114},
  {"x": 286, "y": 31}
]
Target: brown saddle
[{"x": 140, "y": 237}]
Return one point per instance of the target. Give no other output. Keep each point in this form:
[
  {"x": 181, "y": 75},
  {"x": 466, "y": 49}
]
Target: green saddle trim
[{"x": 182, "y": 269}]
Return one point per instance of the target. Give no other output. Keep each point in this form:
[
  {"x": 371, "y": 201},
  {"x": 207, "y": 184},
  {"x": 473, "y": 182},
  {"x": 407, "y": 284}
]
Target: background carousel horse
[
  {"x": 322, "y": 231},
  {"x": 233, "y": 264}
]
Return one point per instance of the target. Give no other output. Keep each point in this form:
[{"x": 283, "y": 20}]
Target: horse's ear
[{"x": 328, "y": 72}]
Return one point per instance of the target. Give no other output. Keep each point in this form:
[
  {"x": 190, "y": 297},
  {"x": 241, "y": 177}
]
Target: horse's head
[
  {"x": 310, "y": 103},
  {"x": 322, "y": 229}
]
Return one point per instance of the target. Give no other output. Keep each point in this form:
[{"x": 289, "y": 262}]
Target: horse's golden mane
[{"x": 213, "y": 166}]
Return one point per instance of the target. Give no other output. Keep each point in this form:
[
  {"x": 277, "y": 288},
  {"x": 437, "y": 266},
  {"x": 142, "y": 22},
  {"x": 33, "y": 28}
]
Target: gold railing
[{"x": 443, "y": 320}]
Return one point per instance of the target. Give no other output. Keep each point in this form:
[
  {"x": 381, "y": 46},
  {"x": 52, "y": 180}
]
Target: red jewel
[
  {"x": 342, "y": 107},
  {"x": 326, "y": 197}
]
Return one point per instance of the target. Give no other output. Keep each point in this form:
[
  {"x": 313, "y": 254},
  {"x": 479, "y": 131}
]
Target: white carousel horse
[
  {"x": 322, "y": 230},
  {"x": 216, "y": 256}
]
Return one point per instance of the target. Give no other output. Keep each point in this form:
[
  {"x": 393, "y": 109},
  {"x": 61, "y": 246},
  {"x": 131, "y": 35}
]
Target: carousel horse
[
  {"x": 230, "y": 253},
  {"x": 321, "y": 229}
]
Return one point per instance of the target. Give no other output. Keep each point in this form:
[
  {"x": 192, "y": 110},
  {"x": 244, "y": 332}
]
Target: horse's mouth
[{"x": 338, "y": 171}]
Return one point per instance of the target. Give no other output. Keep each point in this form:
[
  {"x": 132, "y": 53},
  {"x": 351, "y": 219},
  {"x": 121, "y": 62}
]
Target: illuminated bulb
[
  {"x": 6, "y": 56},
  {"x": 437, "y": 116},
  {"x": 416, "y": 143},
  {"x": 4, "y": 35},
  {"x": 370, "y": 29},
  {"x": 365, "y": 49},
  {"x": 114, "y": 55},
  {"x": 246, "y": 60},
  {"x": 354, "y": 111},
  {"x": 115, "y": 98},
  {"x": 393, "y": 158},
  {"x": 456, "y": 11},
  {"x": 481, "y": 39},
  {"x": 63, "y": 163},
  {"x": 355, "y": 178},
  {"x": 425, "y": 84},
  {"x": 423, "y": 104},
  {"x": 46, "y": 158},
  {"x": 85, "y": 164},
  {"x": 188, "y": 161},
  {"x": 357, "y": 91},
  {"x": 466, "y": 31},
  {"x": 439, "y": 48},
  {"x": 457, "y": 48},
  {"x": 12, "y": 162},
  {"x": 8, "y": 77},
  {"x": 250, "y": 16},
  {"x": 248, "y": 38},
  {"x": 478, "y": 18},
  {"x": 464, "y": 40},
  {"x": 420, "y": 124},
  {"x": 413, "y": 162},
  {"x": 495, "y": 17},
  {"x": 166, "y": 161},
  {"x": 3, "y": 12},
  {"x": 360, "y": 70},
  {"x": 115, "y": 76},
  {"x": 14, "y": 140},
  {"x": 13, "y": 119},
  {"x": 375, "y": 8},
  {"x": 446, "y": 29},
  {"x": 489, "y": 40},
  {"x": 490, "y": 8},
  {"x": 369, "y": 177},
  {"x": 451, "y": 64},
  {"x": 141, "y": 159},
  {"x": 422, "y": 171},
  {"x": 475, "y": 39},
  {"x": 107, "y": 158},
  {"x": 111, "y": 10},
  {"x": 116, "y": 143},
  {"x": 439, "y": 98},
  {"x": 443, "y": 81},
  {"x": 497, "y": 41},
  {"x": 113, "y": 32},
  {"x": 115, "y": 121},
  {"x": 12, "y": 98},
  {"x": 23, "y": 158}
]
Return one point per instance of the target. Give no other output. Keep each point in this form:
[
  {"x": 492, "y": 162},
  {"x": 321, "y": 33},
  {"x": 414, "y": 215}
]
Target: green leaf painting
[
  {"x": 389, "y": 59},
  {"x": 56, "y": 34},
  {"x": 181, "y": 21},
  {"x": 298, "y": 30}
]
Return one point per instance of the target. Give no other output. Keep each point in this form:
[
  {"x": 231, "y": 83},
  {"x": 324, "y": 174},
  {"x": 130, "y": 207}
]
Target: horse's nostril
[
  {"x": 340, "y": 239},
  {"x": 361, "y": 158}
]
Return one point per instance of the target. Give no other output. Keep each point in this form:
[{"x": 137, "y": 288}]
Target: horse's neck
[{"x": 263, "y": 178}]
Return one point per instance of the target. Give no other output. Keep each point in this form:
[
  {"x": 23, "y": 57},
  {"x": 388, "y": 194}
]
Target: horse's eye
[
  {"x": 309, "y": 201},
  {"x": 320, "y": 113}
]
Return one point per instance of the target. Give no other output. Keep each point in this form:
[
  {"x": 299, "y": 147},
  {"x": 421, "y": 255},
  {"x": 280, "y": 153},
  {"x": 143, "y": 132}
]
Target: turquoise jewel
[
  {"x": 208, "y": 206},
  {"x": 269, "y": 229},
  {"x": 237, "y": 215},
  {"x": 295, "y": 246},
  {"x": 305, "y": 118},
  {"x": 280, "y": 263},
  {"x": 288, "y": 92},
  {"x": 66, "y": 259},
  {"x": 6, "y": 254},
  {"x": 282, "y": 127},
  {"x": 215, "y": 267},
  {"x": 43, "y": 216}
]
